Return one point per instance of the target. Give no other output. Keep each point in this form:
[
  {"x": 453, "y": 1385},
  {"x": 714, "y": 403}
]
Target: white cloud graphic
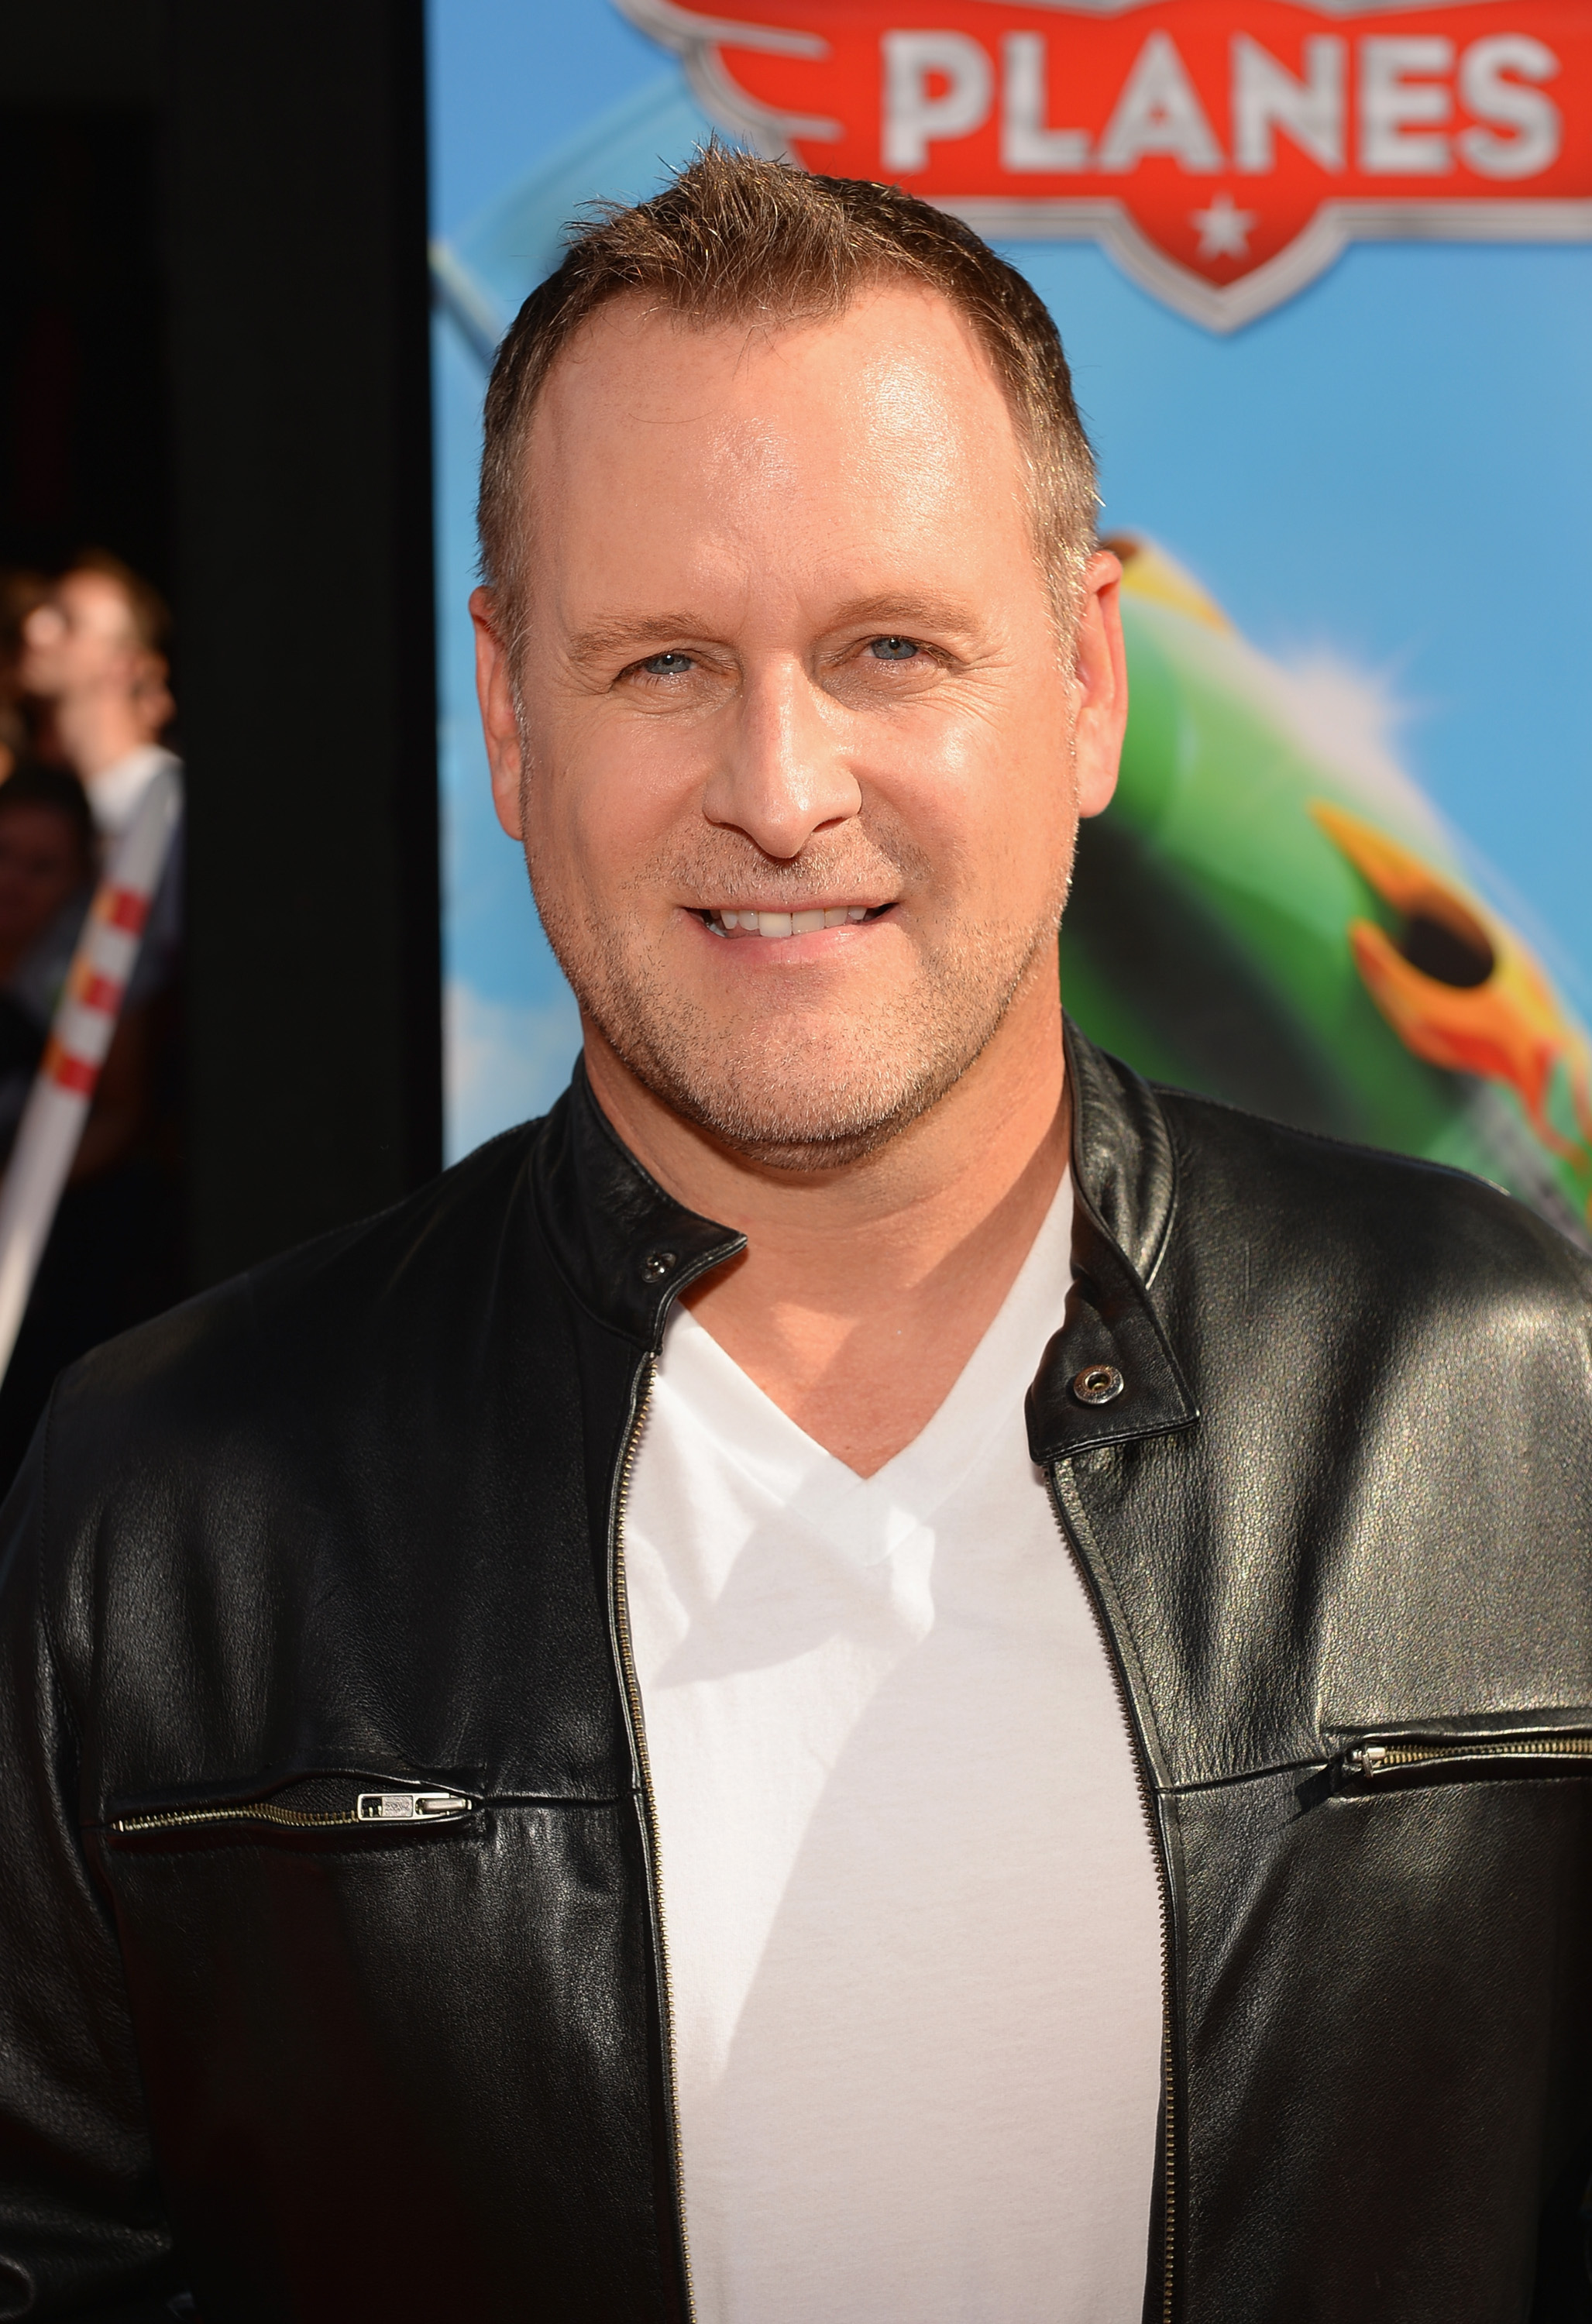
[{"x": 504, "y": 1061}]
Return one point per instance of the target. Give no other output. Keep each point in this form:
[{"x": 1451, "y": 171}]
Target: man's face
[
  {"x": 793, "y": 763},
  {"x": 80, "y": 639},
  {"x": 41, "y": 868}
]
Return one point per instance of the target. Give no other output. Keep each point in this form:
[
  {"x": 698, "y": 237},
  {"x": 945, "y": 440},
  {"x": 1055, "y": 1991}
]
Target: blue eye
[
  {"x": 892, "y": 649},
  {"x": 667, "y": 665}
]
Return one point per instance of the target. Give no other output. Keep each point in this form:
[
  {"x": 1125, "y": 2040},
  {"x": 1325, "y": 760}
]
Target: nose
[{"x": 783, "y": 773}]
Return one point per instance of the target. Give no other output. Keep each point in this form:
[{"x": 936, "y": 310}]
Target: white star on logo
[{"x": 1224, "y": 231}]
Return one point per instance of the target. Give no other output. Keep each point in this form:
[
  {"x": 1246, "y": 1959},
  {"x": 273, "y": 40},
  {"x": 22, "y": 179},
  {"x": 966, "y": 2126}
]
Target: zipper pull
[
  {"x": 1365, "y": 1759},
  {"x": 410, "y": 1807}
]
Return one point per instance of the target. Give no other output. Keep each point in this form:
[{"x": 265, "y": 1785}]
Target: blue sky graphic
[{"x": 1392, "y": 472}]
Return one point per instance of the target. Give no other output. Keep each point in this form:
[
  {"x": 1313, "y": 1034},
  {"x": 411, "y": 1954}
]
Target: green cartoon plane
[{"x": 1270, "y": 914}]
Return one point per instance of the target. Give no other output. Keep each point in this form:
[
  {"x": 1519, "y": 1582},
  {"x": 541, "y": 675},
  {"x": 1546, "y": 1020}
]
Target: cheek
[
  {"x": 988, "y": 801},
  {"x": 601, "y": 817}
]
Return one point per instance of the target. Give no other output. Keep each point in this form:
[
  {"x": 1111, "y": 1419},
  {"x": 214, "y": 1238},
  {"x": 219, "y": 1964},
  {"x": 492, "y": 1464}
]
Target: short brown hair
[{"x": 734, "y": 237}]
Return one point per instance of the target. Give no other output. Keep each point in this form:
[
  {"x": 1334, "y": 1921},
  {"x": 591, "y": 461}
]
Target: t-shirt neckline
[{"x": 881, "y": 1512}]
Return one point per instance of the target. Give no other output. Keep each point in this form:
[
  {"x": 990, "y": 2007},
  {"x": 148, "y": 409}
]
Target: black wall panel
[{"x": 296, "y": 233}]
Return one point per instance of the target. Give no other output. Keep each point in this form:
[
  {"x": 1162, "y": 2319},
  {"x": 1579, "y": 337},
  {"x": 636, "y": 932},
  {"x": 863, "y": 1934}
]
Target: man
[
  {"x": 94, "y": 652},
  {"x": 94, "y": 659},
  {"x": 571, "y": 1752}
]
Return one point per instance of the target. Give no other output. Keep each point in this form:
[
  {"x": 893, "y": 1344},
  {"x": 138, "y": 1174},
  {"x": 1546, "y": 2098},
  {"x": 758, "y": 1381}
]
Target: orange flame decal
[{"x": 1459, "y": 988}]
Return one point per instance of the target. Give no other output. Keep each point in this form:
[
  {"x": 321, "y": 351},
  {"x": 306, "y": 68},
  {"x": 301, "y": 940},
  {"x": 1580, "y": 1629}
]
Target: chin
[
  {"x": 794, "y": 1105},
  {"x": 803, "y": 1088}
]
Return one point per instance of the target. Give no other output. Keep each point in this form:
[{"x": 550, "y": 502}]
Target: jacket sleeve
[{"x": 82, "y": 2232}]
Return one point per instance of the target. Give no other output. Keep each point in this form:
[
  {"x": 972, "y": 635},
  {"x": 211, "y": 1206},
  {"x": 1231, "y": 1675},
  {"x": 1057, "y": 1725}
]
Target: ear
[
  {"x": 498, "y": 722},
  {"x": 1099, "y": 661}
]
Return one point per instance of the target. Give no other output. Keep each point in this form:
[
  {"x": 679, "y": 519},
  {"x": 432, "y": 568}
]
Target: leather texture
[{"x": 351, "y": 1522}]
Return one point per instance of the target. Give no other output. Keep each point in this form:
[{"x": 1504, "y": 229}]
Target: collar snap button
[
  {"x": 1097, "y": 1384},
  {"x": 657, "y": 1265}
]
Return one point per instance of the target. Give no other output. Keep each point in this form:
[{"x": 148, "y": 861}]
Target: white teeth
[{"x": 784, "y": 924}]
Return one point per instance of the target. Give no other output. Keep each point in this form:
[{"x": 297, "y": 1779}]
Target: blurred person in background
[
  {"x": 93, "y": 660},
  {"x": 93, "y": 670},
  {"x": 47, "y": 860},
  {"x": 93, "y": 679},
  {"x": 47, "y": 857}
]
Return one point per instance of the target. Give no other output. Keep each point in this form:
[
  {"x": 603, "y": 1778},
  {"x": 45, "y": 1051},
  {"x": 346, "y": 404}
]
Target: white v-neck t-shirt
[{"x": 912, "y": 1913}]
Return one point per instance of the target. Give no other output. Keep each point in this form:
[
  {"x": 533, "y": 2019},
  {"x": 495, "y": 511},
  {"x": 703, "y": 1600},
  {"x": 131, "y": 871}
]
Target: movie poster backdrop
[{"x": 1324, "y": 275}]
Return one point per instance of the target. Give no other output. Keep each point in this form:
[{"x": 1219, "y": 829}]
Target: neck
[
  {"x": 96, "y": 731},
  {"x": 864, "y": 1290}
]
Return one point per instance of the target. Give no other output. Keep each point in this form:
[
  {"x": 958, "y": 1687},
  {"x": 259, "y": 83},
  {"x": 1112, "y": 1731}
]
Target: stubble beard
[{"x": 803, "y": 1088}]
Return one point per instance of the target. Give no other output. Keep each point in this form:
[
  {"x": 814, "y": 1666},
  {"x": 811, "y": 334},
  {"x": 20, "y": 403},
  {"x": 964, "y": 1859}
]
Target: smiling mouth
[{"x": 790, "y": 923}]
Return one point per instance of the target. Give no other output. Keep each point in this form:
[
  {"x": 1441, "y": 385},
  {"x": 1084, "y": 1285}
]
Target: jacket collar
[
  {"x": 1124, "y": 1206},
  {"x": 627, "y": 1249}
]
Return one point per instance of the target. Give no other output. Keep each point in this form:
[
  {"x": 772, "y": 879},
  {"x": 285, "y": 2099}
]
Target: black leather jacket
[{"x": 330, "y": 1984}]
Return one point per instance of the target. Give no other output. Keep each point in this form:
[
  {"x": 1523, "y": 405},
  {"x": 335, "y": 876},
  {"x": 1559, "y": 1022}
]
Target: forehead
[
  {"x": 93, "y": 600},
  {"x": 886, "y": 420}
]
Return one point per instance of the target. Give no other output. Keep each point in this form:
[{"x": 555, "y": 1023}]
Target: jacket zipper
[
  {"x": 1369, "y": 1760},
  {"x": 370, "y": 1807},
  {"x": 1163, "y": 1893},
  {"x": 641, "y": 1398}
]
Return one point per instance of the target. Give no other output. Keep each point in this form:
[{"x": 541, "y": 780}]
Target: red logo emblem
[{"x": 1223, "y": 151}]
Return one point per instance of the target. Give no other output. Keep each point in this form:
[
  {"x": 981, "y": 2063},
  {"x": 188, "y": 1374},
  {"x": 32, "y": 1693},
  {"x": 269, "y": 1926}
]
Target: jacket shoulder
[
  {"x": 314, "y": 1311},
  {"x": 1322, "y": 1202}
]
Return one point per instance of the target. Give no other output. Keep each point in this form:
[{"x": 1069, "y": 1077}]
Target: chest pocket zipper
[
  {"x": 1437, "y": 1756},
  {"x": 366, "y": 1807}
]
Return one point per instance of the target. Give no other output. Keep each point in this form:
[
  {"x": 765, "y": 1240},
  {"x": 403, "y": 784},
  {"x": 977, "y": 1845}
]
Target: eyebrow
[
  {"x": 633, "y": 633},
  {"x": 628, "y": 632},
  {"x": 903, "y": 609}
]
